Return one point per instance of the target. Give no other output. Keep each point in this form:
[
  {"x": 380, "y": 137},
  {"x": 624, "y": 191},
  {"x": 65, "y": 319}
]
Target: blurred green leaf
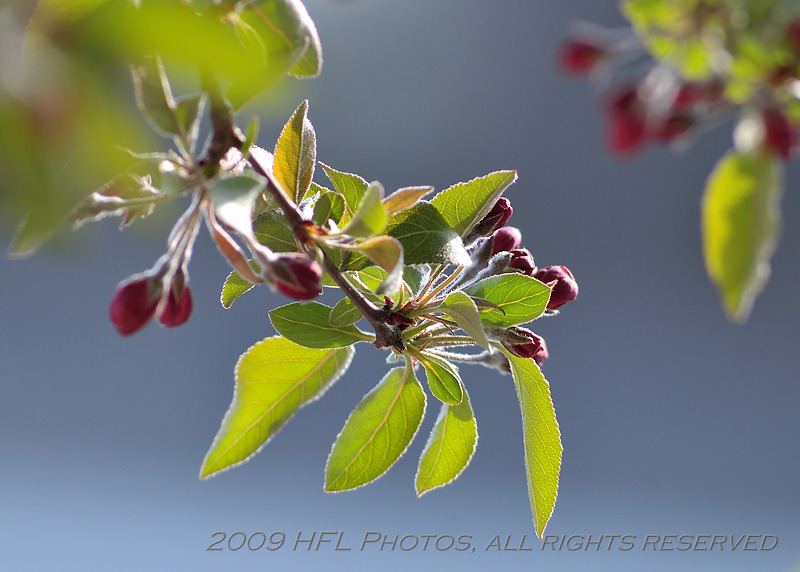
[
  {"x": 463, "y": 205},
  {"x": 286, "y": 23},
  {"x": 309, "y": 325},
  {"x": 741, "y": 225},
  {"x": 405, "y": 198},
  {"x": 541, "y": 437},
  {"x": 274, "y": 379},
  {"x": 296, "y": 154},
  {"x": 377, "y": 432},
  {"x": 450, "y": 447},
  {"x": 522, "y": 298}
]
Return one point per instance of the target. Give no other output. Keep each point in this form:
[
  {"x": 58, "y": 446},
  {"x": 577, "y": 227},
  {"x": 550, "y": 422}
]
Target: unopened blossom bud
[
  {"x": 565, "y": 288},
  {"x": 496, "y": 218},
  {"x": 133, "y": 305},
  {"x": 178, "y": 307},
  {"x": 580, "y": 56},
  {"x": 522, "y": 261},
  {"x": 533, "y": 348},
  {"x": 506, "y": 239},
  {"x": 298, "y": 277},
  {"x": 778, "y": 132}
]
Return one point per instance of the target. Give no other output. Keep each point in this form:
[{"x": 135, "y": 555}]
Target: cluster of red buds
[
  {"x": 142, "y": 297},
  {"x": 500, "y": 251},
  {"x": 663, "y": 108}
]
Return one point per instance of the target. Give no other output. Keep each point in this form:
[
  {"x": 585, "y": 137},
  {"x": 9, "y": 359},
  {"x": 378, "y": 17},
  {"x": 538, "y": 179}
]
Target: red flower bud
[
  {"x": 298, "y": 277},
  {"x": 506, "y": 239},
  {"x": 498, "y": 216},
  {"x": 522, "y": 260},
  {"x": 133, "y": 305},
  {"x": 580, "y": 56},
  {"x": 565, "y": 288},
  {"x": 778, "y": 132},
  {"x": 535, "y": 348},
  {"x": 177, "y": 308}
]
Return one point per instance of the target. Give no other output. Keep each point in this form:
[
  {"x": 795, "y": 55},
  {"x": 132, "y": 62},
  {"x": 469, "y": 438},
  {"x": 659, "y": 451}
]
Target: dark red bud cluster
[
  {"x": 298, "y": 277},
  {"x": 564, "y": 287},
  {"x": 137, "y": 301},
  {"x": 535, "y": 348}
]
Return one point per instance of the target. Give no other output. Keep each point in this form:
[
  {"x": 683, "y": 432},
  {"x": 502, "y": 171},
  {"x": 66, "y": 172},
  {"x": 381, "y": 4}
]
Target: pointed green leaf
[
  {"x": 541, "y": 436},
  {"x": 741, "y": 224},
  {"x": 274, "y": 379},
  {"x": 296, "y": 154},
  {"x": 443, "y": 380},
  {"x": 350, "y": 186},
  {"x": 405, "y": 198},
  {"x": 377, "y": 432},
  {"x": 309, "y": 326},
  {"x": 370, "y": 216},
  {"x": 387, "y": 253},
  {"x": 463, "y": 310},
  {"x": 272, "y": 230},
  {"x": 465, "y": 204},
  {"x": 521, "y": 297},
  {"x": 450, "y": 447},
  {"x": 188, "y": 113},
  {"x": 234, "y": 287},
  {"x": 154, "y": 95}
]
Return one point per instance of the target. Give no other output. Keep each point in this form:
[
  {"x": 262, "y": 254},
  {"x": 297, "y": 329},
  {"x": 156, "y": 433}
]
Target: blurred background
[{"x": 673, "y": 420}]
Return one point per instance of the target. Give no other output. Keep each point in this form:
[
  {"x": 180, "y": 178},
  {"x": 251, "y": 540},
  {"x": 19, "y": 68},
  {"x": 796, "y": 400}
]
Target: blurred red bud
[
  {"x": 133, "y": 305},
  {"x": 506, "y": 239},
  {"x": 580, "y": 56},
  {"x": 565, "y": 288},
  {"x": 178, "y": 308},
  {"x": 778, "y": 132},
  {"x": 626, "y": 129},
  {"x": 298, "y": 277}
]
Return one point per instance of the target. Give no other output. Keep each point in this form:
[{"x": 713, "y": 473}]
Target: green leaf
[
  {"x": 344, "y": 313},
  {"x": 413, "y": 277},
  {"x": 350, "y": 186},
  {"x": 329, "y": 206},
  {"x": 188, "y": 113},
  {"x": 370, "y": 216},
  {"x": 405, "y": 198},
  {"x": 541, "y": 436},
  {"x": 377, "y": 432},
  {"x": 296, "y": 154},
  {"x": 450, "y": 447},
  {"x": 234, "y": 287},
  {"x": 154, "y": 95},
  {"x": 521, "y": 297},
  {"x": 287, "y": 23},
  {"x": 426, "y": 237},
  {"x": 387, "y": 253},
  {"x": 274, "y": 379},
  {"x": 309, "y": 326},
  {"x": 463, "y": 205},
  {"x": 741, "y": 224},
  {"x": 463, "y": 310},
  {"x": 443, "y": 380},
  {"x": 272, "y": 230}
]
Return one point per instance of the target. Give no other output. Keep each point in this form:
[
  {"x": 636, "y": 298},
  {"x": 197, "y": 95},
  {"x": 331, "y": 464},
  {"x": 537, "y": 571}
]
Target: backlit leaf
[
  {"x": 309, "y": 325},
  {"x": 463, "y": 205},
  {"x": 296, "y": 154},
  {"x": 514, "y": 298},
  {"x": 274, "y": 379}
]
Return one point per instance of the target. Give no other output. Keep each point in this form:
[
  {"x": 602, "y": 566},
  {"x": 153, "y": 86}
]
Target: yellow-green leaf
[
  {"x": 274, "y": 379},
  {"x": 296, "y": 154},
  {"x": 741, "y": 224}
]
